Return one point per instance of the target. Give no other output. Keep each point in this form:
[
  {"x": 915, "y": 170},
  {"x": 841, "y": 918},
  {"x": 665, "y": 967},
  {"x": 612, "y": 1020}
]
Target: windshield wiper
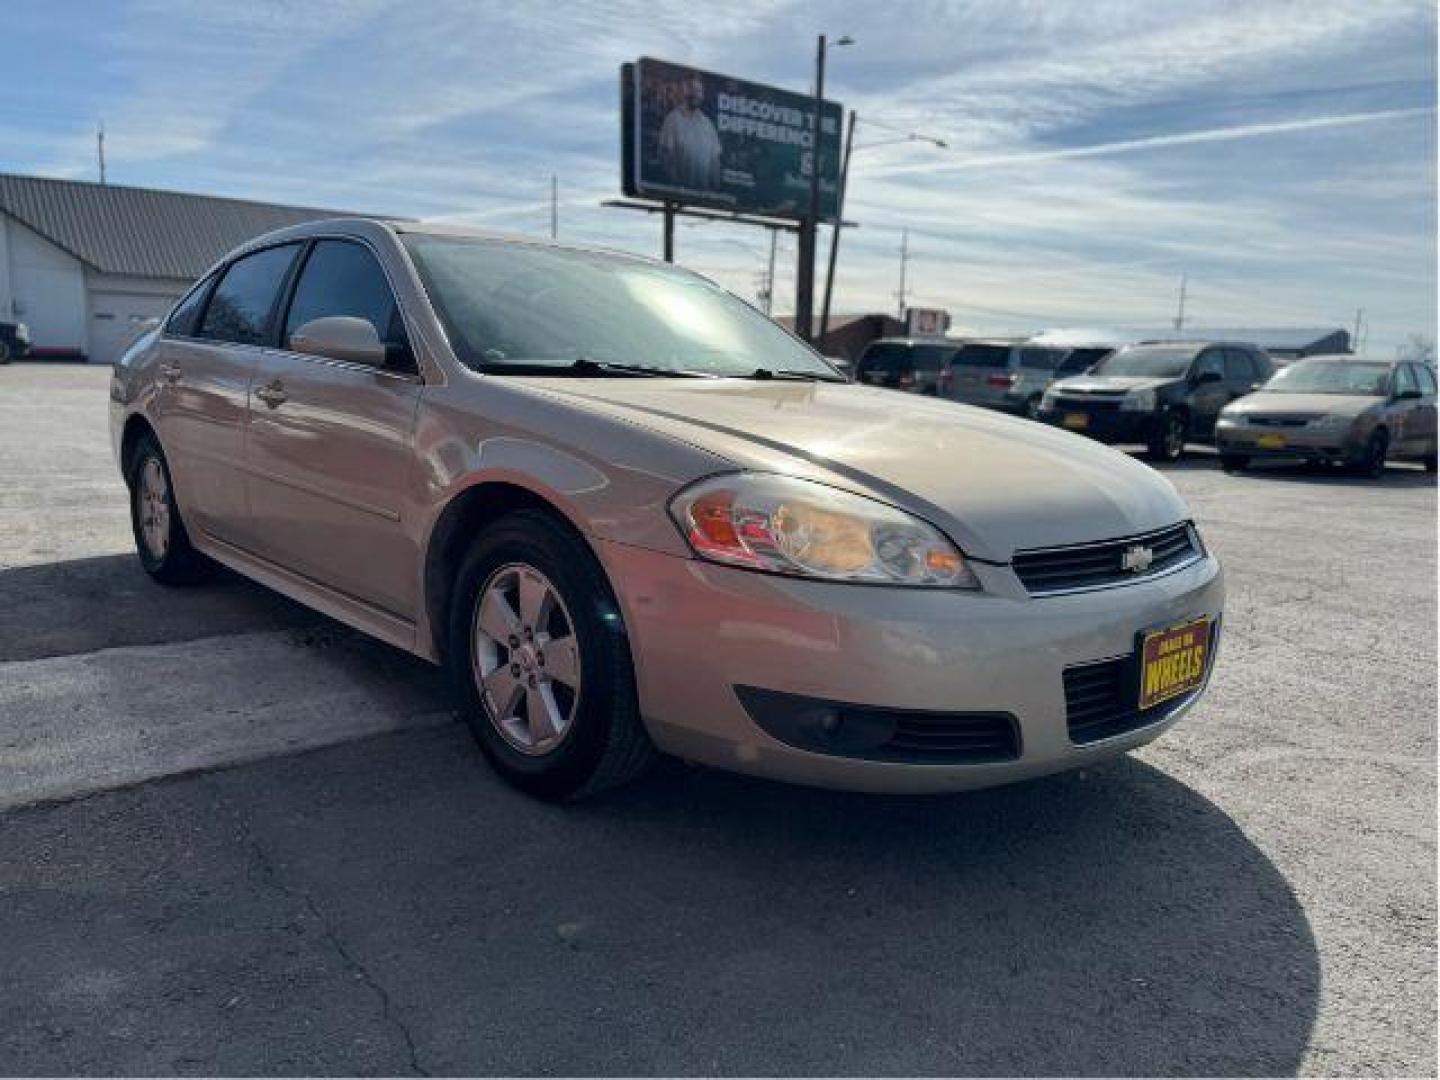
[
  {"x": 794, "y": 376},
  {"x": 589, "y": 366}
]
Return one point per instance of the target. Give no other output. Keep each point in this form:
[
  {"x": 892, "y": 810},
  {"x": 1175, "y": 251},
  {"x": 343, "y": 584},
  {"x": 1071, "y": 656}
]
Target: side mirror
[
  {"x": 340, "y": 337},
  {"x": 1206, "y": 377}
]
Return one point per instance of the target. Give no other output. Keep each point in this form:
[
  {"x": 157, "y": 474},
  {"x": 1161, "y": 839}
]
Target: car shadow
[
  {"x": 1099, "y": 923},
  {"x": 81, "y": 605}
]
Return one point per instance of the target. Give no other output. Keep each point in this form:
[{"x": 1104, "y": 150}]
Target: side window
[
  {"x": 1404, "y": 380},
  {"x": 1427, "y": 379},
  {"x": 1239, "y": 372},
  {"x": 343, "y": 278},
  {"x": 182, "y": 320},
  {"x": 1208, "y": 362},
  {"x": 239, "y": 308}
]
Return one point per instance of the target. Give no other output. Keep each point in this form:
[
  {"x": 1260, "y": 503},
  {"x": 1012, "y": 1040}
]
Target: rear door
[
  {"x": 208, "y": 354},
  {"x": 329, "y": 447},
  {"x": 1407, "y": 415}
]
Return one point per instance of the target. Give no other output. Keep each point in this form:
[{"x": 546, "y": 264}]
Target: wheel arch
[
  {"x": 467, "y": 513},
  {"x": 136, "y": 428}
]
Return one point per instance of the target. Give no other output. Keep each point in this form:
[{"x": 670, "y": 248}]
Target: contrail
[{"x": 1158, "y": 142}]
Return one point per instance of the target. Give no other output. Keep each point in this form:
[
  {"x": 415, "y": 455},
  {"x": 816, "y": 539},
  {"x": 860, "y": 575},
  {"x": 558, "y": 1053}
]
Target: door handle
[
  {"x": 272, "y": 393},
  {"x": 170, "y": 372}
]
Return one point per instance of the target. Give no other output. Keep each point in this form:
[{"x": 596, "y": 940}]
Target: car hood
[
  {"x": 1112, "y": 384},
  {"x": 1279, "y": 404},
  {"x": 995, "y": 483}
]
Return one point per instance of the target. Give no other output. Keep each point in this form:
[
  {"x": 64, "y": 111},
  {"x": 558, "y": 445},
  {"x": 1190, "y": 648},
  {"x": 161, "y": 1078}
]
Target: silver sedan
[
  {"x": 1346, "y": 410},
  {"x": 634, "y": 516}
]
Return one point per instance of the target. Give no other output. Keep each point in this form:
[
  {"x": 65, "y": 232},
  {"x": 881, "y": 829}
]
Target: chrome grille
[{"x": 1090, "y": 566}]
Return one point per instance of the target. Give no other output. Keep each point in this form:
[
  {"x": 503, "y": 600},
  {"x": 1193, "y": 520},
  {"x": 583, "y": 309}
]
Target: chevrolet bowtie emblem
[{"x": 1137, "y": 558}]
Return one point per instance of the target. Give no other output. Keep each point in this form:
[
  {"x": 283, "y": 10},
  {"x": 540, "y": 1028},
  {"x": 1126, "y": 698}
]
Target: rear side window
[
  {"x": 182, "y": 320},
  {"x": 1078, "y": 360},
  {"x": 240, "y": 307},
  {"x": 997, "y": 356},
  {"x": 892, "y": 359},
  {"x": 932, "y": 357},
  {"x": 1239, "y": 370},
  {"x": 344, "y": 278},
  {"x": 1041, "y": 359},
  {"x": 1427, "y": 380}
]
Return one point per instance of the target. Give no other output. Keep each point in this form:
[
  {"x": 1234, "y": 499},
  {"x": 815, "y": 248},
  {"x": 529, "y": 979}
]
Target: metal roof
[{"x": 140, "y": 231}]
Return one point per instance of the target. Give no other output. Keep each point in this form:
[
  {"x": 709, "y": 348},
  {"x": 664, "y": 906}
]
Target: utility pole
[
  {"x": 1180, "y": 311},
  {"x": 554, "y": 206},
  {"x": 770, "y": 272},
  {"x": 100, "y": 147},
  {"x": 839, "y": 223},
  {"x": 1355, "y": 337},
  {"x": 904, "y": 261},
  {"x": 809, "y": 227}
]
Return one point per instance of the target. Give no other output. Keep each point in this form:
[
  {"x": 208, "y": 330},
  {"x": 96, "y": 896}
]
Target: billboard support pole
[
  {"x": 669, "y": 232},
  {"x": 839, "y": 217},
  {"x": 809, "y": 227}
]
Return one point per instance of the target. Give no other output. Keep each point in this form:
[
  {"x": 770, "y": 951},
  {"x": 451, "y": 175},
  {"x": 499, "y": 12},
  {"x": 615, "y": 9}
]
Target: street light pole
[
  {"x": 839, "y": 220},
  {"x": 809, "y": 227}
]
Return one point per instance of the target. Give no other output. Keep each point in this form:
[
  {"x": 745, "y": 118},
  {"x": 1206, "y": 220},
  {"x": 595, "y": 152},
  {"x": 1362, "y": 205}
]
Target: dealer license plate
[
  {"x": 1173, "y": 662},
  {"x": 1075, "y": 421},
  {"x": 1270, "y": 442}
]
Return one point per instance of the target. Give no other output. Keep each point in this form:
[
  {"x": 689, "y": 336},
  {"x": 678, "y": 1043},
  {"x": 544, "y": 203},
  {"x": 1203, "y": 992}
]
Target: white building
[{"x": 83, "y": 265}]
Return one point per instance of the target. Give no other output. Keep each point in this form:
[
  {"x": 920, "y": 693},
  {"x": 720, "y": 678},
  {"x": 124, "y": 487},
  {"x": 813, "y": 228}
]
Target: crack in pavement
[{"x": 351, "y": 962}]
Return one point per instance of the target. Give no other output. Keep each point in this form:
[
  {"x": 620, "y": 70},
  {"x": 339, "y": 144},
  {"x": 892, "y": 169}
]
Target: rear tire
[
  {"x": 1234, "y": 462},
  {"x": 1167, "y": 441},
  {"x": 527, "y": 585},
  {"x": 4, "y": 353},
  {"x": 161, "y": 540}
]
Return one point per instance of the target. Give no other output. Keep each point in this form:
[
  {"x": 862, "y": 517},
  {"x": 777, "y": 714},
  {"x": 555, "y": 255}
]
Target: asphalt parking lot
[{"x": 236, "y": 838}]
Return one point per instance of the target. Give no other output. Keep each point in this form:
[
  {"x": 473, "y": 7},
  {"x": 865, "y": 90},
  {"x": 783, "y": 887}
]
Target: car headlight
[
  {"x": 1138, "y": 401},
  {"x": 786, "y": 525},
  {"x": 22, "y": 332}
]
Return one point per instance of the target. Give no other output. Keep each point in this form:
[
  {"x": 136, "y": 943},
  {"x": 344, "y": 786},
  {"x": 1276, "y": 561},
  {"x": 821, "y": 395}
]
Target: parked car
[
  {"x": 632, "y": 515},
  {"x": 919, "y": 365},
  {"x": 1348, "y": 410},
  {"x": 1013, "y": 376},
  {"x": 14, "y": 341},
  {"x": 1161, "y": 394}
]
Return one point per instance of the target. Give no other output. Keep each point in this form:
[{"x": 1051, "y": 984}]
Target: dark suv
[
  {"x": 14, "y": 341},
  {"x": 918, "y": 365},
  {"x": 1159, "y": 393}
]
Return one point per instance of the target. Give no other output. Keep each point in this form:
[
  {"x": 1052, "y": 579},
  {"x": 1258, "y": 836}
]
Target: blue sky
[{"x": 1281, "y": 155}]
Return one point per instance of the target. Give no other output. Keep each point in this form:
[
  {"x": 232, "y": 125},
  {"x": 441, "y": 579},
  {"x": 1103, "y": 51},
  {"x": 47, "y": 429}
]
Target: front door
[
  {"x": 1208, "y": 394},
  {"x": 329, "y": 444}
]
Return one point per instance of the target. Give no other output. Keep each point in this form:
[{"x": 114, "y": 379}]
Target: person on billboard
[{"x": 689, "y": 144}]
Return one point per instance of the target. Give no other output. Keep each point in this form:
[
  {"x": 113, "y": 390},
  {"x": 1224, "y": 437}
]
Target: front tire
[
  {"x": 160, "y": 538},
  {"x": 540, "y": 661},
  {"x": 1167, "y": 441},
  {"x": 1372, "y": 459}
]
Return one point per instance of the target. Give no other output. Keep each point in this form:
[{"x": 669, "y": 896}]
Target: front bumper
[
  {"x": 1106, "y": 425},
  {"x": 1255, "y": 440},
  {"x": 698, "y": 631}
]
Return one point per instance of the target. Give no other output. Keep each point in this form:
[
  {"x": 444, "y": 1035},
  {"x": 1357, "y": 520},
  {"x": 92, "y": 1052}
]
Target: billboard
[{"x": 701, "y": 139}]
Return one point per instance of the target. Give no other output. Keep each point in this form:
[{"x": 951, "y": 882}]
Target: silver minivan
[{"x": 1012, "y": 375}]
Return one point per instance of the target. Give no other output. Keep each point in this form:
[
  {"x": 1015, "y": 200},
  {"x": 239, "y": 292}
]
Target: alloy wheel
[
  {"x": 153, "y": 496},
  {"x": 526, "y": 659}
]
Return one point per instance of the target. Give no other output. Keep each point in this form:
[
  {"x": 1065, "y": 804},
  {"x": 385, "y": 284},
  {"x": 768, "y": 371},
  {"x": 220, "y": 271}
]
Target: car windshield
[
  {"x": 1331, "y": 377},
  {"x": 530, "y": 308},
  {"x": 1157, "y": 361}
]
